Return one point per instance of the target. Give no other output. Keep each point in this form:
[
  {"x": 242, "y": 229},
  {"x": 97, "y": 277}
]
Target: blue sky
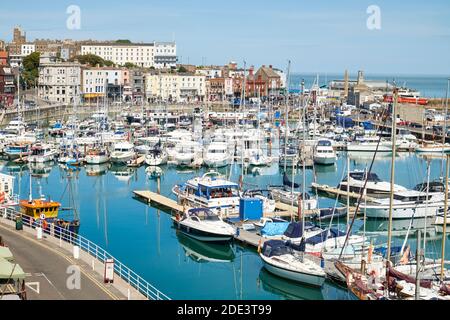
[{"x": 317, "y": 36}]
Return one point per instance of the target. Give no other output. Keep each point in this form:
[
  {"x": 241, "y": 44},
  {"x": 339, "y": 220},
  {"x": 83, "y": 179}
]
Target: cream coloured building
[
  {"x": 59, "y": 82},
  {"x": 157, "y": 54},
  {"x": 181, "y": 87}
]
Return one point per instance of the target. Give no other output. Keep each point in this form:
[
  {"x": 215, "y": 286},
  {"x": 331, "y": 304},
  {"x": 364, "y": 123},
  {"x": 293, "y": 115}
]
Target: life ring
[{"x": 2, "y": 197}]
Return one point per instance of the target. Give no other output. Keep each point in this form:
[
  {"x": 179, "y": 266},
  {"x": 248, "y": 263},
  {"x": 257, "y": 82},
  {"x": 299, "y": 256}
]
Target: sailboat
[
  {"x": 290, "y": 261},
  {"x": 259, "y": 158},
  {"x": 281, "y": 259},
  {"x": 43, "y": 212}
]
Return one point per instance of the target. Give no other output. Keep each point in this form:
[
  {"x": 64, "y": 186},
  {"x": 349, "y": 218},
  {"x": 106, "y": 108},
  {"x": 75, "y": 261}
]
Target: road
[{"x": 48, "y": 267}]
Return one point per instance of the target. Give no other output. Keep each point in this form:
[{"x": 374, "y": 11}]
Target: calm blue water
[
  {"x": 429, "y": 86},
  {"x": 143, "y": 237}
]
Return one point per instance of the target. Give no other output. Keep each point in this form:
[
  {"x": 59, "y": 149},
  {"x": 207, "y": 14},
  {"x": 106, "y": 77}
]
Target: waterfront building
[
  {"x": 137, "y": 83},
  {"x": 270, "y": 81},
  {"x": 359, "y": 91},
  {"x": 7, "y": 86},
  {"x": 4, "y": 57},
  {"x": 219, "y": 89},
  {"x": 147, "y": 55},
  {"x": 59, "y": 82},
  {"x": 98, "y": 82},
  {"x": 210, "y": 72},
  {"x": 175, "y": 87}
]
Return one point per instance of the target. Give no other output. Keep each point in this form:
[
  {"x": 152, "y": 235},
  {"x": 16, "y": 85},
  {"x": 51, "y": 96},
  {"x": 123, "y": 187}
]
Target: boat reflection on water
[
  {"x": 326, "y": 169},
  {"x": 205, "y": 252},
  {"x": 13, "y": 167},
  {"x": 93, "y": 170},
  {"x": 400, "y": 227},
  {"x": 288, "y": 289},
  {"x": 366, "y": 157},
  {"x": 122, "y": 173},
  {"x": 41, "y": 169}
]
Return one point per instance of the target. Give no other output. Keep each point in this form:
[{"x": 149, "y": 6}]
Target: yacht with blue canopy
[{"x": 210, "y": 191}]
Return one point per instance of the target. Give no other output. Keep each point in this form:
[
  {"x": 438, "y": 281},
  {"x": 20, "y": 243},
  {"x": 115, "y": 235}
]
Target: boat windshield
[
  {"x": 204, "y": 215},
  {"x": 361, "y": 176},
  {"x": 324, "y": 143}
]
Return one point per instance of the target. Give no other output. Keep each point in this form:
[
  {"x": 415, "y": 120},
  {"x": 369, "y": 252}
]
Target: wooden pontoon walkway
[
  {"x": 152, "y": 197},
  {"x": 333, "y": 192}
]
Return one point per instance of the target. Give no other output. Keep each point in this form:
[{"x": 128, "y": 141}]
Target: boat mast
[
  {"x": 444, "y": 129},
  {"x": 444, "y": 231},
  {"x": 304, "y": 169},
  {"x": 348, "y": 193},
  {"x": 30, "y": 196},
  {"x": 391, "y": 200},
  {"x": 286, "y": 116}
]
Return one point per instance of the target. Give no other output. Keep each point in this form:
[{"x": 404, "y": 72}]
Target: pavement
[{"x": 49, "y": 270}]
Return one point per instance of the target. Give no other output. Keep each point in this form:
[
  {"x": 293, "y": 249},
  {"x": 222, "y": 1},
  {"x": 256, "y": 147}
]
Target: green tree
[
  {"x": 92, "y": 60},
  {"x": 182, "y": 69},
  {"x": 30, "y": 70},
  {"x": 130, "y": 65},
  {"x": 123, "y": 41}
]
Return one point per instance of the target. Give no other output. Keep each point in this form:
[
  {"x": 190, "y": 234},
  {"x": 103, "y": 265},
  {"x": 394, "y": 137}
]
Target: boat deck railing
[{"x": 121, "y": 270}]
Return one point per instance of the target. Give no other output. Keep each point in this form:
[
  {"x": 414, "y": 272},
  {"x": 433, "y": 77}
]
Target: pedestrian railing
[{"x": 121, "y": 270}]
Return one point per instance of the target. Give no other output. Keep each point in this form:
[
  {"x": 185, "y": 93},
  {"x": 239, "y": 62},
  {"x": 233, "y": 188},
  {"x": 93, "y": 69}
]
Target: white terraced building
[
  {"x": 157, "y": 54},
  {"x": 181, "y": 87},
  {"x": 59, "y": 82}
]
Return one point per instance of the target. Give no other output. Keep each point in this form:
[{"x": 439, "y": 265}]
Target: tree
[
  {"x": 130, "y": 65},
  {"x": 123, "y": 41},
  {"x": 30, "y": 69},
  {"x": 92, "y": 60},
  {"x": 182, "y": 69}
]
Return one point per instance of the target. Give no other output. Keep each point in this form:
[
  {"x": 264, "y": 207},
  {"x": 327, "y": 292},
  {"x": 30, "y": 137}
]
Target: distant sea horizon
[{"x": 430, "y": 86}]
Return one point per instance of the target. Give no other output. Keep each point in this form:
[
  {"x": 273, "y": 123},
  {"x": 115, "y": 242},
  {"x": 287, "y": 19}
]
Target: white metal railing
[{"x": 121, "y": 270}]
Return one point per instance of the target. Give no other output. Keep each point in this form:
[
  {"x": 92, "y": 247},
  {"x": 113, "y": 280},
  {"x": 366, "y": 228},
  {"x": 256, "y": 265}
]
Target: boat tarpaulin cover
[
  {"x": 275, "y": 248},
  {"x": 295, "y": 229},
  {"x": 274, "y": 228},
  {"x": 401, "y": 276},
  {"x": 10, "y": 270},
  {"x": 321, "y": 237}
]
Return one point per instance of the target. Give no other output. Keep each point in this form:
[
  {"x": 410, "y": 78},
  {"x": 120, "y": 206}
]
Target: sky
[{"x": 316, "y": 36}]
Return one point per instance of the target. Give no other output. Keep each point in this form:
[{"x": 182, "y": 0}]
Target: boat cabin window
[{"x": 411, "y": 198}]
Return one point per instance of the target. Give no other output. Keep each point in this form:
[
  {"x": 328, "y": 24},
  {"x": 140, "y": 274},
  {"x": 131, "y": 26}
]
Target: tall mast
[
  {"x": 286, "y": 116},
  {"x": 444, "y": 129},
  {"x": 391, "y": 201},
  {"x": 444, "y": 231}
]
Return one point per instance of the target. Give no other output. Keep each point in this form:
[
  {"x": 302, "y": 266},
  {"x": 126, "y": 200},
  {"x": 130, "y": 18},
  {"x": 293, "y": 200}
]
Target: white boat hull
[
  {"x": 96, "y": 159},
  {"x": 310, "y": 279}
]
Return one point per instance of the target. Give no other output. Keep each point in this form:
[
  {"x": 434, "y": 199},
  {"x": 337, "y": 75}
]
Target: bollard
[
  {"x": 76, "y": 252},
  {"x": 128, "y": 294},
  {"x": 93, "y": 265},
  {"x": 39, "y": 233}
]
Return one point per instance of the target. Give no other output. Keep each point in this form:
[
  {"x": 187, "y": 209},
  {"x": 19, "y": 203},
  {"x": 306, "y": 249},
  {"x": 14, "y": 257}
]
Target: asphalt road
[{"x": 49, "y": 268}]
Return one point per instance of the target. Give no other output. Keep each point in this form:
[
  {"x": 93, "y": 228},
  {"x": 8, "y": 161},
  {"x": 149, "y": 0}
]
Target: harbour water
[
  {"x": 143, "y": 237},
  {"x": 430, "y": 86}
]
